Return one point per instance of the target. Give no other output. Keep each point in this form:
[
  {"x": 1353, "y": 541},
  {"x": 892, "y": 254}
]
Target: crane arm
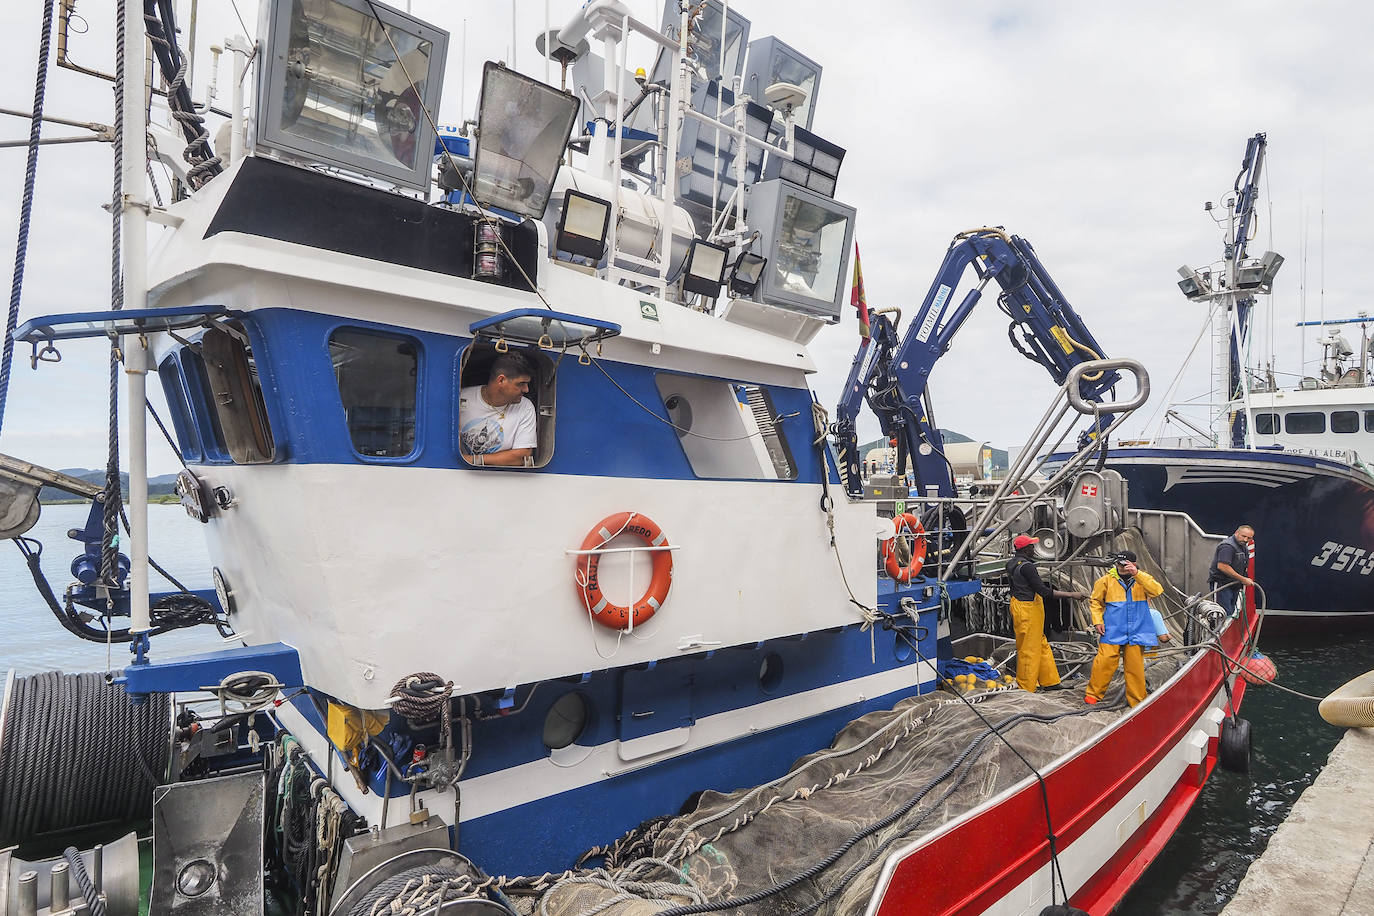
[{"x": 891, "y": 373}]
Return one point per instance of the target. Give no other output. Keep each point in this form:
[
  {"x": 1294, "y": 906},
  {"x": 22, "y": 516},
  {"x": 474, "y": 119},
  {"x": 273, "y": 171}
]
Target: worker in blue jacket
[{"x": 1120, "y": 608}]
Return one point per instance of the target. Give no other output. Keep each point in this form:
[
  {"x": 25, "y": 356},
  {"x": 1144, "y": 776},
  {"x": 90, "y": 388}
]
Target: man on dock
[
  {"x": 1120, "y": 607},
  {"x": 1034, "y": 661},
  {"x": 1225, "y": 576}
]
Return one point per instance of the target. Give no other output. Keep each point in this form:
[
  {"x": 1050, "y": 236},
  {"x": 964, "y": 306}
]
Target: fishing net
[{"x": 815, "y": 839}]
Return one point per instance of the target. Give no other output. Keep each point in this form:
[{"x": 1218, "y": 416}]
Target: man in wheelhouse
[{"x": 496, "y": 422}]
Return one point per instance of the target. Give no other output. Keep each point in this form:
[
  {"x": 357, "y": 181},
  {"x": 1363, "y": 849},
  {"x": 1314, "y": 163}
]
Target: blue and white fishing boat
[
  {"x": 1289, "y": 461},
  {"x": 585, "y": 674}
]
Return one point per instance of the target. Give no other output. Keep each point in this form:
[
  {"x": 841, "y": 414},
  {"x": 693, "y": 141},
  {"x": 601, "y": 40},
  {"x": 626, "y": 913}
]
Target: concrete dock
[{"x": 1320, "y": 862}]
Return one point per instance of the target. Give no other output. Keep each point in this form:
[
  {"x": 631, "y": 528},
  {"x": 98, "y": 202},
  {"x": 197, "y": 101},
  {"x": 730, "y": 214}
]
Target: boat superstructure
[
  {"x": 450, "y": 675},
  {"x": 1287, "y": 460}
]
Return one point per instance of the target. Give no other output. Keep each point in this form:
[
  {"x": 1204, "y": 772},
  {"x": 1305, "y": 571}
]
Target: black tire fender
[{"x": 1233, "y": 750}]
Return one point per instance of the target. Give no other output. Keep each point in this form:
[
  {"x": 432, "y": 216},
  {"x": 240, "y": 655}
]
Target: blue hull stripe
[{"x": 549, "y": 834}]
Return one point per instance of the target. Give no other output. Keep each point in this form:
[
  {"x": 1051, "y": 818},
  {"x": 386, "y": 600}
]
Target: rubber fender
[
  {"x": 1062, "y": 909},
  {"x": 1352, "y": 704},
  {"x": 1233, "y": 751}
]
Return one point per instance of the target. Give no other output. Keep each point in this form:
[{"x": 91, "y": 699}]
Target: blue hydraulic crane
[{"x": 892, "y": 373}]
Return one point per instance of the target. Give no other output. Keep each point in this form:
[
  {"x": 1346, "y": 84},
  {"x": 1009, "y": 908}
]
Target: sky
[{"x": 1094, "y": 130}]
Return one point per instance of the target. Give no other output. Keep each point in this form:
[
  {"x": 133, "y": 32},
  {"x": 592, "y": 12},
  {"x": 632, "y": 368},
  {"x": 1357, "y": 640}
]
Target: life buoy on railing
[
  {"x": 906, "y": 524},
  {"x": 615, "y": 616}
]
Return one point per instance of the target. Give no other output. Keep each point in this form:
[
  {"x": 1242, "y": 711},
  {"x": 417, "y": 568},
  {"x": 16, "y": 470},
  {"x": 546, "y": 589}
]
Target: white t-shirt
[{"x": 483, "y": 429}]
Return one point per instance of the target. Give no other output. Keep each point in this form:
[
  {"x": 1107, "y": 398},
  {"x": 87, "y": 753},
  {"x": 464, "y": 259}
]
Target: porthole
[
  {"x": 565, "y": 722},
  {"x": 770, "y": 672}
]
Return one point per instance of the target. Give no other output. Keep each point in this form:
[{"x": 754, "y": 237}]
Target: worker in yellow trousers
[
  {"x": 1034, "y": 661},
  {"x": 1120, "y": 610}
]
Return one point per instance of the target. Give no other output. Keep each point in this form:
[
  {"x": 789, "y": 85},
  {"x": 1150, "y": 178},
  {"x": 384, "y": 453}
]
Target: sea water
[
  {"x": 1195, "y": 874},
  {"x": 32, "y": 640}
]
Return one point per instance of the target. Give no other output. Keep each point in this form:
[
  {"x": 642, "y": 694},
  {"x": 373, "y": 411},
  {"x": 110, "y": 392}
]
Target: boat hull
[
  {"x": 1313, "y": 517},
  {"x": 1113, "y": 802}
]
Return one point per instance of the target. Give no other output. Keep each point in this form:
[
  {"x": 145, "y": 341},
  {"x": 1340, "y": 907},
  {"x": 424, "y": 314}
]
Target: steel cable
[{"x": 76, "y": 753}]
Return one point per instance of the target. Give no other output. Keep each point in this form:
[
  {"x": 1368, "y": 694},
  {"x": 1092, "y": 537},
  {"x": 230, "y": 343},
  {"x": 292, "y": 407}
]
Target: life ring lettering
[
  {"x": 588, "y": 580},
  {"x": 910, "y": 525}
]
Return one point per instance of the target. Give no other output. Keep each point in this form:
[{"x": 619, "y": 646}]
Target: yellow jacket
[{"x": 1126, "y": 616}]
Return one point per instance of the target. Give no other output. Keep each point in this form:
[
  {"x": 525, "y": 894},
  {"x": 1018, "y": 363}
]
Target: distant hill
[{"x": 157, "y": 486}]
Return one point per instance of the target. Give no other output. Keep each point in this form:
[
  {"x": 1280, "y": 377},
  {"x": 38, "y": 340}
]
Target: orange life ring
[
  {"x": 615, "y": 616},
  {"x": 906, "y": 523}
]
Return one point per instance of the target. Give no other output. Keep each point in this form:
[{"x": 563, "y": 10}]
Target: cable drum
[
  {"x": 75, "y": 752},
  {"x": 1352, "y": 704}
]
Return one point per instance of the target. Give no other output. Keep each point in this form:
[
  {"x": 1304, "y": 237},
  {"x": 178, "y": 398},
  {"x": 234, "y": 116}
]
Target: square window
[
  {"x": 1345, "y": 421},
  {"x": 378, "y": 379}
]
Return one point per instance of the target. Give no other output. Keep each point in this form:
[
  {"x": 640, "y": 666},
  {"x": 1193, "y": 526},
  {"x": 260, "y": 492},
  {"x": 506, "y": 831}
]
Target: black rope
[
  {"x": 94, "y": 901},
  {"x": 176, "y": 449},
  {"x": 159, "y": 20},
  {"x": 109, "y": 551},
  {"x": 26, "y": 206}
]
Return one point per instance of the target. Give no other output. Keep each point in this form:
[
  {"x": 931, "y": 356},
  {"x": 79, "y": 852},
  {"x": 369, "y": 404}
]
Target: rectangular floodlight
[
  {"x": 347, "y": 83},
  {"x": 807, "y": 238},
  {"x": 583, "y": 225},
  {"x": 523, "y": 127},
  {"x": 704, "y": 270}
]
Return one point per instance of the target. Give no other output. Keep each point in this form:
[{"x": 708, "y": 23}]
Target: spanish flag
[{"x": 857, "y": 299}]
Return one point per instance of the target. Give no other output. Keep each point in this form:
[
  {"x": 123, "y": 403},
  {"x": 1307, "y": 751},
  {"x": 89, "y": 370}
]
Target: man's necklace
[{"x": 501, "y": 415}]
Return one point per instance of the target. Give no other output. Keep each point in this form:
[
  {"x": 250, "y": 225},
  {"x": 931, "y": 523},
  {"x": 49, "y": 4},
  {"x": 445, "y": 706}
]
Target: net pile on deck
[{"x": 814, "y": 841}]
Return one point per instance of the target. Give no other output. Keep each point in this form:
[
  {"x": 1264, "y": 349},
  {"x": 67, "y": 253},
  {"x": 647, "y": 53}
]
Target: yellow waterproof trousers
[
  {"x": 1104, "y": 666},
  {"x": 1034, "y": 660}
]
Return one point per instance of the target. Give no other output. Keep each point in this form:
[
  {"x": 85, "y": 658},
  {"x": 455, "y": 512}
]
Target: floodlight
[
  {"x": 583, "y": 224},
  {"x": 1193, "y": 284},
  {"x": 1271, "y": 261},
  {"x": 523, "y": 128},
  {"x": 1249, "y": 276},
  {"x": 745, "y": 275},
  {"x": 807, "y": 238},
  {"x": 348, "y": 83},
  {"x": 704, "y": 270},
  {"x": 787, "y": 79},
  {"x": 815, "y": 163},
  {"x": 1259, "y": 274},
  {"x": 718, "y": 60}
]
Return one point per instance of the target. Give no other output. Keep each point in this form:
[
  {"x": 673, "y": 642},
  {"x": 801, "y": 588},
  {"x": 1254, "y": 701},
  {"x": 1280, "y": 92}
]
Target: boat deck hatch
[
  {"x": 544, "y": 328},
  {"x": 42, "y": 331}
]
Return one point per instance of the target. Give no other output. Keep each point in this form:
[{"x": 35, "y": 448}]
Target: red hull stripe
[{"x": 971, "y": 866}]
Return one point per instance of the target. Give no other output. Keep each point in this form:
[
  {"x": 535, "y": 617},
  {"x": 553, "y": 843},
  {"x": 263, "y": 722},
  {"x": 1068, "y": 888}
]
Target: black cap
[{"x": 1124, "y": 556}]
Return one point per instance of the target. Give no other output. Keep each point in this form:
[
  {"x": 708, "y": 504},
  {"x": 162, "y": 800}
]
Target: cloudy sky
[{"x": 1094, "y": 129}]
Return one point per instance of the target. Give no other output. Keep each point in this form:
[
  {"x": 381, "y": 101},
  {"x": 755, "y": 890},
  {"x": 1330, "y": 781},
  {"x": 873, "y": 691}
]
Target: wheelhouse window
[
  {"x": 727, "y": 429},
  {"x": 188, "y": 440},
  {"x": 1304, "y": 423},
  {"x": 478, "y": 425},
  {"x": 1266, "y": 424},
  {"x": 1369, "y": 421},
  {"x": 1345, "y": 421},
  {"x": 378, "y": 379},
  {"x": 236, "y": 394}
]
